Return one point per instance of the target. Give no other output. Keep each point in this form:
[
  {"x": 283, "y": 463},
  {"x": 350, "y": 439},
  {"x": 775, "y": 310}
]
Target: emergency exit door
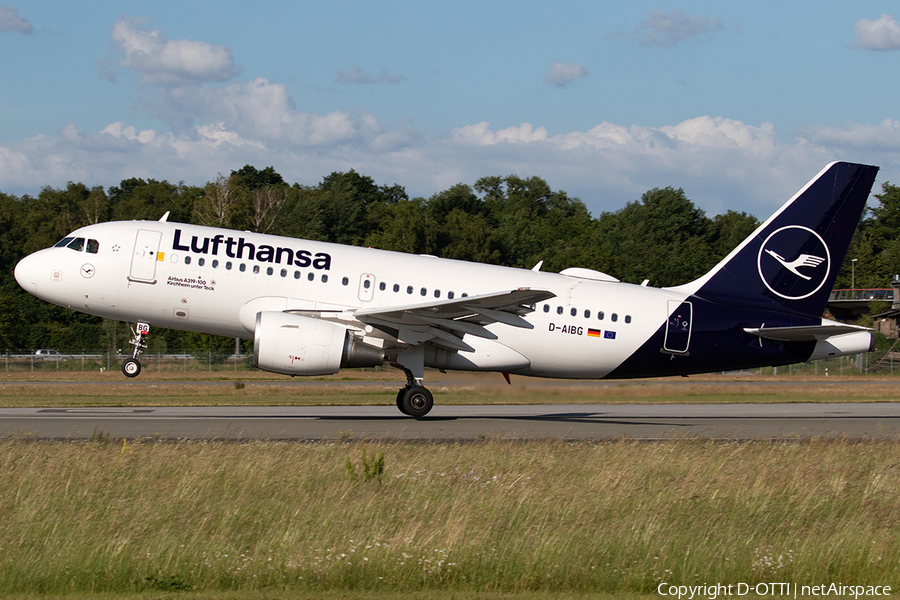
[
  {"x": 366, "y": 287},
  {"x": 678, "y": 329}
]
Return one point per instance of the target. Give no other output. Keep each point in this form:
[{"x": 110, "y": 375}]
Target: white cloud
[
  {"x": 561, "y": 73},
  {"x": 665, "y": 30},
  {"x": 721, "y": 163},
  {"x": 164, "y": 62},
  {"x": 883, "y": 34},
  {"x": 357, "y": 75},
  {"x": 265, "y": 111},
  {"x": 11, "y": 21},
  {"x": 481, "y": 134},
  {"x": 884, "y": 137}
]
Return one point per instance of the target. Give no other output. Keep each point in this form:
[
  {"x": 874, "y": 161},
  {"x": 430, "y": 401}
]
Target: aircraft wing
[
  {"x": 808, "y": 333},
  {"x": 445, "y": 322}
]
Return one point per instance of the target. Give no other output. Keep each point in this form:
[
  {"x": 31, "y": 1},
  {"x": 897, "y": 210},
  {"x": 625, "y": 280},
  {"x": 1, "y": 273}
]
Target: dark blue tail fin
[{"x": 791, "y": 261}]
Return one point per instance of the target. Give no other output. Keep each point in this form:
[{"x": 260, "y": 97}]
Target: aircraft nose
[{"x": 26, "y": 274}]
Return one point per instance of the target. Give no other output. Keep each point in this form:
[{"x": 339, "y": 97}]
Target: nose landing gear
[{"x": 132, "y": 366}]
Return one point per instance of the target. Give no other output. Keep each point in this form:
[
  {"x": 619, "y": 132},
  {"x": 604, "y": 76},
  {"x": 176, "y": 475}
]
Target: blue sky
[{"x": 738, "y": 103}]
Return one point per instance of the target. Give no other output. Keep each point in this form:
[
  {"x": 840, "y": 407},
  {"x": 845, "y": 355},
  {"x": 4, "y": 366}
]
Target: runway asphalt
[{"x": 463, "y": 423}]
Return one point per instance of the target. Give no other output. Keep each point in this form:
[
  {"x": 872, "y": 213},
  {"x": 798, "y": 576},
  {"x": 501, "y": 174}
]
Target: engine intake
[{"x": 294, "y": 345}]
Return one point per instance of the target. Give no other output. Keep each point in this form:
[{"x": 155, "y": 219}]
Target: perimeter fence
[
  {"x": 88, "y": 360},
  {"x": 873, "y": 363}
]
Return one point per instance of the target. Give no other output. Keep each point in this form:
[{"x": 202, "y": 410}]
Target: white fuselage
[{"x": 200, "y": 278}]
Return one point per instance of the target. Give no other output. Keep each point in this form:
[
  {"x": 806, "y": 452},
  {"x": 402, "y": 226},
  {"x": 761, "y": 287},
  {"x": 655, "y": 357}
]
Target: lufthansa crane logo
[{"x": 794, "y": 262}]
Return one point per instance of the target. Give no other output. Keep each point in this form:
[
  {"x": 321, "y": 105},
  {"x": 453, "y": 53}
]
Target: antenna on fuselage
[{"x": 164, "y": 218}]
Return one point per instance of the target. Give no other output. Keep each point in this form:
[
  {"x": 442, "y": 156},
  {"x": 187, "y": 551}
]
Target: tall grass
[{"x": 507, "y": 517}]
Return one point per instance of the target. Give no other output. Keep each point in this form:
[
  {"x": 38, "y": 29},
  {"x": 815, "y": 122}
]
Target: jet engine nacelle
[{"x": 294, "y": 345}]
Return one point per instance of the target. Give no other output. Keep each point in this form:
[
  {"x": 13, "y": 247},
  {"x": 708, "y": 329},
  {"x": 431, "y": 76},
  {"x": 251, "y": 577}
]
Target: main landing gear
[
  {"x": 132, "y": 366},
  {"x": 413, "y": 399}
]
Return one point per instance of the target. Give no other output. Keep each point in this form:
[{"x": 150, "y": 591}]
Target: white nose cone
[{"x": 26, "y": 274}]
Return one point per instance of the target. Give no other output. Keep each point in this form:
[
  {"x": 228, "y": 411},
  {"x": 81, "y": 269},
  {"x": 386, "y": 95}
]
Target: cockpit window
[
  {"x": 93, "y": 246},
  {"x": 62, "y": 243},
  {"x": 76, "y": 244}
]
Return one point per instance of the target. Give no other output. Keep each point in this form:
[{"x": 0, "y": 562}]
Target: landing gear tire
[
  {"x": 400, "y": 396},
  {"x": 131, "y": 368},
  {"x": 417, "y": 401}
]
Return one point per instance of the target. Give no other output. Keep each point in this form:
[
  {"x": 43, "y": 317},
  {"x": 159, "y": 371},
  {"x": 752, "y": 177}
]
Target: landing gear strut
[
  {"x": 132, "y": 366},
  {"x": 414, "y": 399}
]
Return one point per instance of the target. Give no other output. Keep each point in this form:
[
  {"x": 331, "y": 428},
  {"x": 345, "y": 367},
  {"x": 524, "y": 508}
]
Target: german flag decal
[{"x": 595, "y": 333}]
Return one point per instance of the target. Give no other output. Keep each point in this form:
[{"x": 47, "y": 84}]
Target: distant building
[{"x": 888, "y": 323}]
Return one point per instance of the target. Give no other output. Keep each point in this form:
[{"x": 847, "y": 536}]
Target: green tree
[
  {"x": 148, "y": 200},
  {"x": 729, "y": 230},
  {"x": 663, "y": 238},
  {"x": 874, "y": 245},
  {"x": 254, "y": 179},
  {"x": 402, "y": 227},
  {"x": 532, "y": 223},
  {"x": 340, "y": 209}
]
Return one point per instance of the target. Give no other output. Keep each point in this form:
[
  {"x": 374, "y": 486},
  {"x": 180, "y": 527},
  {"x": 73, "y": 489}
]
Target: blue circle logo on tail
[{"x": 794, "y": 262}]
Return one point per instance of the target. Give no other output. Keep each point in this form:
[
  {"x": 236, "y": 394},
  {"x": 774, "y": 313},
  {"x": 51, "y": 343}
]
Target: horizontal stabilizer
[{"x": 806, "y": 333}]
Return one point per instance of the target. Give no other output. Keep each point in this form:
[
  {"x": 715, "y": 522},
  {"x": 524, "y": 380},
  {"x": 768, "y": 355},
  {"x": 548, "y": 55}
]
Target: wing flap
[{"x": 445, "y": 322}]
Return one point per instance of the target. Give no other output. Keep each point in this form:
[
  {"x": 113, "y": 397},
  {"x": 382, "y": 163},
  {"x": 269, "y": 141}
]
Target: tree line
[{"x": 510, "y": 221}]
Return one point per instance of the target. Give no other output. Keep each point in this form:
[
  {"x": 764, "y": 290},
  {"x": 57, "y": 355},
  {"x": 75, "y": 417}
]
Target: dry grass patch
[{"x": 453, "y": 389}]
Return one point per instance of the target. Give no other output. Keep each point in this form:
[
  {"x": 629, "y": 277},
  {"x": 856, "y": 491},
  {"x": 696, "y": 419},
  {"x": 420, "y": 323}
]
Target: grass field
[{"x": 499, "y": 517}]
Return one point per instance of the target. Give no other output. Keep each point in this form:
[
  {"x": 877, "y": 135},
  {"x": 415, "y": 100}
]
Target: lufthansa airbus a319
[{"x": 313, "y": 307}]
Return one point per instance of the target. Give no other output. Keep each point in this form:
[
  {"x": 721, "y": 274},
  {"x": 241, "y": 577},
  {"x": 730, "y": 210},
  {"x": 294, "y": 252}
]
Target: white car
[{"x": 46, "y": 354}]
